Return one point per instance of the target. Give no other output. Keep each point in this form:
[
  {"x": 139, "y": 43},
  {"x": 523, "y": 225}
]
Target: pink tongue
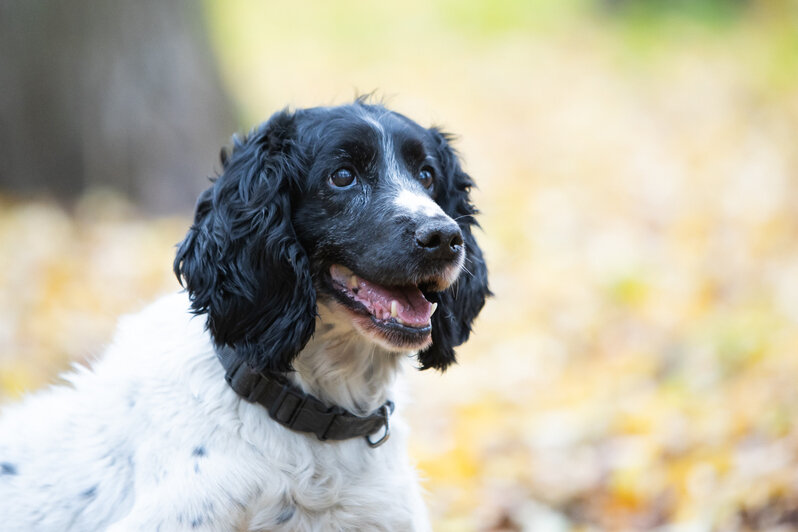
[
  {"x": 411, "y": 306},
  {"x": 412, "y": 309}
]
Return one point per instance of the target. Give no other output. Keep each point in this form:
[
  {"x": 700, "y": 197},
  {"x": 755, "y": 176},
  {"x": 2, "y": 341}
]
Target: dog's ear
[
  {"x": 458, "y": 305},
  {"x": 241, "y": 262}
]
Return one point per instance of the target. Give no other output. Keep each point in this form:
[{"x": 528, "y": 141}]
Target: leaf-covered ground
[{"x": 637, "y": 367}]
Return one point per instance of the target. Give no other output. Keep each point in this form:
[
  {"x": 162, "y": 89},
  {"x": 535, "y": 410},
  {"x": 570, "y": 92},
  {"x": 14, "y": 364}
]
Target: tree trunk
[{"x": 120, "y": 95}]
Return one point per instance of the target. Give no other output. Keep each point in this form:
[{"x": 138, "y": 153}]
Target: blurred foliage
[
  {"x": 638, "y": 181},
  {"x": 65, "y": 277}
]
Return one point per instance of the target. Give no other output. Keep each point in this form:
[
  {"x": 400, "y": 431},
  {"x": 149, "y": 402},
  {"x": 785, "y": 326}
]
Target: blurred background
[{"x": 637, "y": 166}]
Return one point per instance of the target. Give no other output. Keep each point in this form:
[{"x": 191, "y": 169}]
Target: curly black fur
[{"x": 241, "y": 261}]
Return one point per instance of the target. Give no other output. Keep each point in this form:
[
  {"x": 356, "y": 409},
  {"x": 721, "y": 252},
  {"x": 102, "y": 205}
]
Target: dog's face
[
  {"x": 355, "y": 206},
  {"x": 376, "y": 239}
]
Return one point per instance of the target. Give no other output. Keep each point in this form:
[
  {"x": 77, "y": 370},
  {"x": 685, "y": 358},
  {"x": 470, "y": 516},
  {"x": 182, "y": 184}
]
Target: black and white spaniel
[{"x": 336, "y": 241}]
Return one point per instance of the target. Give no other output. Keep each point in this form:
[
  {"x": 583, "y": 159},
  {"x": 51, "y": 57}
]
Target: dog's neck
[{"x": 341, "y": 367}]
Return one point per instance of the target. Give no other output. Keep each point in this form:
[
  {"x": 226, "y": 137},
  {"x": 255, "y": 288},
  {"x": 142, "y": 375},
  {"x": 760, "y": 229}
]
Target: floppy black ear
[
  {"x": 458, "y": 305},
  {"x": 241, "y": 261}
]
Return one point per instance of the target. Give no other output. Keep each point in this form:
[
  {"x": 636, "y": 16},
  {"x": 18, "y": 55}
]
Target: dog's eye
[
  {"x": 426, "y": 175},
  {"x": 342, "y": 178}
]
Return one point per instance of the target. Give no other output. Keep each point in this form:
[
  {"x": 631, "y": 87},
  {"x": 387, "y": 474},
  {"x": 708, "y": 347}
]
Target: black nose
[{"x": 440, "y": 239}]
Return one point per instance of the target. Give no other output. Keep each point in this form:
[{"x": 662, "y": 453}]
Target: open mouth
[{"x": 400, "y": 313}]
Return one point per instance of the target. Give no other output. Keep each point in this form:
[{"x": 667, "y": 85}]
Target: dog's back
[
  {"x": 68, "y": 455},
  {"x": 64, "y": 466}
]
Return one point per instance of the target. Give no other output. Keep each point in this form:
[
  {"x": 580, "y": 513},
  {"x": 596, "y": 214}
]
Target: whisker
[{"x": 469, "y": 272}]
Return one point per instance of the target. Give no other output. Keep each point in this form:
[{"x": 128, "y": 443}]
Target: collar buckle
[{"x": 386, "y": 413}]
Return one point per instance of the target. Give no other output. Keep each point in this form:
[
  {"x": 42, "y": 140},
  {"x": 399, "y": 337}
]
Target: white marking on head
[
  {"x": 416, "y": 202},
  {"x": 373, "y": 122},
  {"x": 411, "y": 201},
  {"x": 392, "y": 168}
]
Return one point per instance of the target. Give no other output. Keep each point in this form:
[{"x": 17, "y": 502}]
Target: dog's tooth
[
  {"x": 434, "y": 308},
  {"x": 344, "y": 271},
  {"x": 394, "y": 308},
  {"x": 353, "y": 284},
  {"x": 399, "y": 321}
]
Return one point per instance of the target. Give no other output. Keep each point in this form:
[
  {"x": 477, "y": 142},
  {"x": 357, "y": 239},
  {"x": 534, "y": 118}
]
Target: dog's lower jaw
[
  {"x": 374, "y": 334},
  {"x": 342, "y": 367}
]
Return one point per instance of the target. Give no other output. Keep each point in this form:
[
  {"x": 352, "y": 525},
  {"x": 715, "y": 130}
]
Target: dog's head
[{"x": 355, "y": 206}]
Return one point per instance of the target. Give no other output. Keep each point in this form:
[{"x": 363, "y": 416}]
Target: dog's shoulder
[{"x": 73, "y": 456}]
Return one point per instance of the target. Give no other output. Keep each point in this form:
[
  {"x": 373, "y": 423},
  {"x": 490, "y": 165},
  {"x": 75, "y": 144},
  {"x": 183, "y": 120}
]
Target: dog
[{"x": 334, "y": 243}]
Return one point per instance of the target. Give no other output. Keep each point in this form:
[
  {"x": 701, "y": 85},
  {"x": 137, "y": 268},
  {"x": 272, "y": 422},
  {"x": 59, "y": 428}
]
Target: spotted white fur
[{"x": 151, "y": 437}]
